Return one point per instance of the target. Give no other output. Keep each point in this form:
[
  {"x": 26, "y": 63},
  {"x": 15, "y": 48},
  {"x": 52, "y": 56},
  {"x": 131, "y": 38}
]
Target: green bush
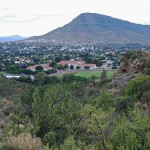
[
  {"x": 50, "y": 138},
  {"x": 123, "y": 104},
  {"x": 71, "y": 77},
  {"x": 52, "y": 71},
  {"x": 7, "y": 147},
  {"x": 136, "y": 87}
]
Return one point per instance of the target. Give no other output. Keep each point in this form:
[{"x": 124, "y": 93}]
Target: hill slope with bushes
[{"x": 85, "y": 114}]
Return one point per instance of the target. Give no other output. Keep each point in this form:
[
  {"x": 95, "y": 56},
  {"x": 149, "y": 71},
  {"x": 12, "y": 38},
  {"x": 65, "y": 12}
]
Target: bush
[
  {"x": 50, "y": 138},
  {"x": 25, "y": 141},
  {"x": 71, "y": 77},
  {"x": 7, "y": 147},
  {"x": 24, "y": 79},
  {"x": 87, "y": 67},
  {"x": 136, "y": 87},
  {"x": 51, "y": 71},
  {"x": 114, "y": 67},
  {"x": 50, "y": 79},
  {"x": 123, "y": 104},
  {"x": 39, "y": 68},
  {"x": 104, "y": 74}
]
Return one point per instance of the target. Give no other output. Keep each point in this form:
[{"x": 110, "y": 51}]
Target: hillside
[
  {"x": 78, "y": 113},
  {"x": 91, "y": 26},
  {"x": 11, "y": 38}
]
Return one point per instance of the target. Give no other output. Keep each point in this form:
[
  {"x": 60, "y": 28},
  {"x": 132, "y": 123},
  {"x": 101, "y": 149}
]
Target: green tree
[
  {"x": 58, "y": 59},
  {"x": 53, "y": 64},
  {"x": 86, "y": 67},
  {"x": 137, "y": 87},
  {"x": 65, "y": 66},
  {"x": 78, "y": 67},
  {"x": 60, "y": 67},
  {"x": 50, "y": 138},
  {"x": 70, "y": 144},
  {"x": 39, "y": 68},
  {"x": 12, "y": 69},
  {"x": 71, "y": 67},
  {"x": 132, "y": 134},
  {"x": 103, "y": 74},
  {"x": 39, "y": 77},
  {"x": 95, "y": 124}
]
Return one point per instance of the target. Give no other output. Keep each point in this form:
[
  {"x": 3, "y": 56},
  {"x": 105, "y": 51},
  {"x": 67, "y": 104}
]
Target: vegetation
[
  {"x": 24, "y": 141},
  {"x": 77, "y": 113},
  {"x": 89, "y": 74},
  {"x": 1, "y": 72}
]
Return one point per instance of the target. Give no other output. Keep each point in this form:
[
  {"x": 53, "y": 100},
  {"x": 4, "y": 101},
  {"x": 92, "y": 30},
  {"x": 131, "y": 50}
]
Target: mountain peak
[{"x": 88, "y": 18}]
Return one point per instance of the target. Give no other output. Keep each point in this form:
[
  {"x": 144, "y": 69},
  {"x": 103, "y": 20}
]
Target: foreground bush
[
  {"x": 138, "y": 86},
  {"x": 25, "y": 141}
]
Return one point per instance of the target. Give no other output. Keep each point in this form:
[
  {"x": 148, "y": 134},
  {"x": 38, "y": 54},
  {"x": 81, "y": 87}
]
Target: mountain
[
  {"x": 11, "y": 38},
  {"x": 92, "y": 26}
]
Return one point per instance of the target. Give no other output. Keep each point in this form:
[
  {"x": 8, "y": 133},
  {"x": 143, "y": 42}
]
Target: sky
[{"x": 37, "y": 17}]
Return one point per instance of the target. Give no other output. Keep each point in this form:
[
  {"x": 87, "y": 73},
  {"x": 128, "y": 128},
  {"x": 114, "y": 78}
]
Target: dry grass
[{"x": 25, "y": 141}]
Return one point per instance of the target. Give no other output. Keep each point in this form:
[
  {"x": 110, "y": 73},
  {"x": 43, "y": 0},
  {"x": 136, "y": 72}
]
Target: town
[{"x": 26, "y": 58}]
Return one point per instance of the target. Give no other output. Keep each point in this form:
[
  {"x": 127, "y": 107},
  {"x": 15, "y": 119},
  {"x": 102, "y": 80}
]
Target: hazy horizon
[{"x": 30, "y": 18}]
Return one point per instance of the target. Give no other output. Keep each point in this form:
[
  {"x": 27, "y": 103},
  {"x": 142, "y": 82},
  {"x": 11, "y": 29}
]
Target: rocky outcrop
[
  {"x": 135, "y": 62},
  {"x": 132, "y": 65}
]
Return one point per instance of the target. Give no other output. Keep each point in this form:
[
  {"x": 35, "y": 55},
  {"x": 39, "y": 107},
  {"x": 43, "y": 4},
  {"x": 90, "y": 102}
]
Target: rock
[{"x": 137, "y": 62}]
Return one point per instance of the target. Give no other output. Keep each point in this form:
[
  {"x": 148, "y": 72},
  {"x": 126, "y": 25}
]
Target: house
[
  {"x": 46, "y": 67},
  {"x": 76, "y": 63},
  {"x": 91, "y": 66}
]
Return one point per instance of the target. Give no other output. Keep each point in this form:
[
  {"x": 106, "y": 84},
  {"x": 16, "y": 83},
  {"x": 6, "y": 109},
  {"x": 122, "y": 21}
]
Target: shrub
[
  {"x": 69, "y": 144},
  {"x": 25, "y": 141},
  {"x": 87, "y": 67},
  {"x": 50, "y": 138},
  {"x": 78, "y": 67},
  {"x": 71, "y": 67},
  {"x": 104, "y": 74},
  {"x": 71, "y": 77},
  {"x": 7, "y": 147},
  {"x": 50, "y": 79},
  {"x": 51, "y": 71},
  {"x": 59, "y": 67},
  {"x": 136, "y": 87},
  {"x": 104, "y": 100},
  {"x": 24, "y": 79},
  {"x": 114, "y": 67},
  {"x": 123, "y": 104}
]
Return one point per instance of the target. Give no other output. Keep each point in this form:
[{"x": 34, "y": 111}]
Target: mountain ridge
[
  {"x": 92, "y": 26},
  {"x": 11, "y": 38}
]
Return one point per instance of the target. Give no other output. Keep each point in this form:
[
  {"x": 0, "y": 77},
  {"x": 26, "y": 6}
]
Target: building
[
  {"x": 46, "y": 67},
  {"x": 76, "y": 63}
]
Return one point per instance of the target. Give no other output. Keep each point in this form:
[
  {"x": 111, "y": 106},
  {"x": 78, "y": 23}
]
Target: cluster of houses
[
  {"x": 46, "y": 67},
  {"x": 77, "y": 63},
  {"x": 69, "y": 63}
]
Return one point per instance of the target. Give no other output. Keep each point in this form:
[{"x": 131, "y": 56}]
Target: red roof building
[
  {"x": 46, "y": 67},
  {"x": 76, "y": 63}
]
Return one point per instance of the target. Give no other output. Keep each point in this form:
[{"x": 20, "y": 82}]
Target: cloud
[
  {"x": 7, "y": 18},
  {"x": 25, "y": 17},
  {"x": 146, "y": 23}
]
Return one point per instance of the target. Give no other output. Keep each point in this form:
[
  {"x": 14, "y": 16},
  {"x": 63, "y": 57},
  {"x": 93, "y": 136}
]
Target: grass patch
[
  {"x": 2, "y": 72},
  {"x": 89, "y": 74}
]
